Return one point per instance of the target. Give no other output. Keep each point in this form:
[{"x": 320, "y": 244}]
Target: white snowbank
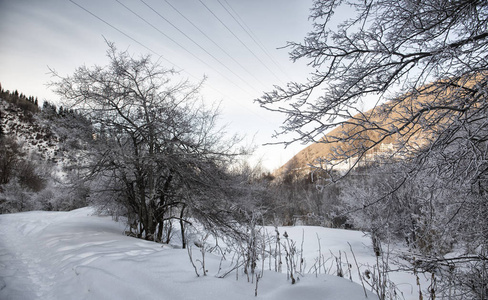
[{"x": 75, "y": 255}]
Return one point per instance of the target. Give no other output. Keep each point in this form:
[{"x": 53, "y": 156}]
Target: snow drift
[{"x": 78, "y": 255}]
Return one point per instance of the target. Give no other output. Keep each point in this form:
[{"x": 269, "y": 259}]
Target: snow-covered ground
[{"x": 77, "y": 255}]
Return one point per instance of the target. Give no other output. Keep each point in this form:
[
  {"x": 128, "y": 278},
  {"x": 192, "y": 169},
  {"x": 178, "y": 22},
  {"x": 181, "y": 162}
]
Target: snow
[{"x": 78, "y": 255}]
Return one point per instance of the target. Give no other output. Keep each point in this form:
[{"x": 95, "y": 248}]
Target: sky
[{"x": 236, "y": 44}]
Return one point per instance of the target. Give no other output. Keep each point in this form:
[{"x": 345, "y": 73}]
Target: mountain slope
[
  {"x": 395, "y": 128},
  {"x": 34, "y": 137},
  {"x": 334, "y": 146},
  {"x": 39, "y": 150}
]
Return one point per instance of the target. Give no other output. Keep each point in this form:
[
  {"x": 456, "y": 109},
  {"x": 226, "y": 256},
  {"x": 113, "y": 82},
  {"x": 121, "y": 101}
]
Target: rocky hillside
[
  {"x": 29, "y": 131},
  {"x": 39, "y": 151},
  {"x": 378, "y": 132}
]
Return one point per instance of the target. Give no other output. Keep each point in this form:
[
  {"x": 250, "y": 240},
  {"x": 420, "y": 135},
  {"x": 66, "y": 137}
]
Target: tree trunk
[
  {"x": 182, "y": 225},
  {"x": 159, "y": 236}
]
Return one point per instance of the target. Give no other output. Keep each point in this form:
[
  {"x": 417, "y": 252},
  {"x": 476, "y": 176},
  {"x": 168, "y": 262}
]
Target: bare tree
[
  {"x": 426, "y": 63},
  {"x": 393, "y": 51},
  {"x": 159, "y": 152}
]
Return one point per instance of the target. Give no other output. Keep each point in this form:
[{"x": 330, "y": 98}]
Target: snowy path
[
  {"x": 73, "y": 255},
  {"x": 21, "y": 273}
]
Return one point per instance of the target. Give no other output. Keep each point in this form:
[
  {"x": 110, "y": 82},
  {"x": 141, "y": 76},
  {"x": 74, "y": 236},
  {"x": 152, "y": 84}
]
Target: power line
[
  {"x": 144, "y": 46},
  {"x": 120, "y": 31},
  {"x": 244, "y": 44},
  {"x": 215, "y": 43},
  {"x": 251, "y": 34},
  {"x": 202, "y": 48},
  {"x": 178, "y": 44},
  {"x": 154, "y": 52}
]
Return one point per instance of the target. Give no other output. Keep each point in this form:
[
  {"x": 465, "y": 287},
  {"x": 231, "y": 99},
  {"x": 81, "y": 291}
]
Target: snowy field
[{"x": 76, "y": 255}]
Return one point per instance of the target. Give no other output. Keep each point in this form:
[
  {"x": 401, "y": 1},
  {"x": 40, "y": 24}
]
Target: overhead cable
[
  {"x": 251, "y": 34},
  {"x": 143, "y": 45},
  {"x": 121, "y": 32},
  {"x": 214, "y": 42},
  {"x": 202, "y": 48},
  {"x": 244, "y": 44},
  {"x": 178, "y": 44}
]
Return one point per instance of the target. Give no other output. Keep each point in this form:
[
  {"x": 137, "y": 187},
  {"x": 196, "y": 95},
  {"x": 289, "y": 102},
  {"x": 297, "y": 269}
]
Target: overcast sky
[{"x": 198, "y": 37}]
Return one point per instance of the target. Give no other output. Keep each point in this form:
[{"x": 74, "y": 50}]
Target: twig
[
  {"x": 359, "y": 272},
  {"x": 191, "y": 260}
]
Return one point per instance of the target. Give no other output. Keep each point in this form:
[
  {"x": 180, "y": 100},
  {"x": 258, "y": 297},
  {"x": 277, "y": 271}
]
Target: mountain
[
  {"x": 39, "y": 151},
  {"x": 33, "y": 135},
  {"x": 393, "y": 128}
]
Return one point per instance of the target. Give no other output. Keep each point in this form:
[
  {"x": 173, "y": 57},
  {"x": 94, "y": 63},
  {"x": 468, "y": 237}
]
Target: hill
[
  {"x": 39, "y": 148},
  {"x": 23, "y": 125},
  {"x": 333, "y": 148},
  {"x": 393, "y": 129}
]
